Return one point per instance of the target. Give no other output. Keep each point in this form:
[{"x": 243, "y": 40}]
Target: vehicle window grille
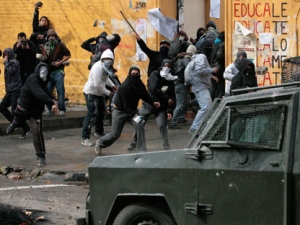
[
  {"x": 257, "y": 125},
  {"x": 290, "y": 70},
  {"x": 218, "y": 131}
]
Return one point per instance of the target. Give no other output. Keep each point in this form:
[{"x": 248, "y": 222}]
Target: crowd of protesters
[{"x": 184, "y": 72}]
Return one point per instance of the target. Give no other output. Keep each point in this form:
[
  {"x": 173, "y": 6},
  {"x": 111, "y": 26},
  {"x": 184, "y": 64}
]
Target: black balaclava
[
  {"x": 200, "y": 32},
  {"x": 164, "y": 50},
  {"x": 134, "y": 68}
]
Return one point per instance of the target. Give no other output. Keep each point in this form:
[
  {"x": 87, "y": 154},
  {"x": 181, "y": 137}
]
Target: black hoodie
[
  {"x": 246, "y": 77},
  {"x": 34, "y": 94}
]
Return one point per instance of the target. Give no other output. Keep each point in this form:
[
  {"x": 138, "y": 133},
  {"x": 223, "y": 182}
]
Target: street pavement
[{"x": 64, "y": 151}]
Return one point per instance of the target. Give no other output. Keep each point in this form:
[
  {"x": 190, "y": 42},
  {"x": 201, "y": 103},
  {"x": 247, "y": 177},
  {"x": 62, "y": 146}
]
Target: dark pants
[
  {"x": 9, "y": 100},
  {"x": 119, "y": 118},
  {"x": 35, "y": 123},
  {"x": 95, "y": 115}
]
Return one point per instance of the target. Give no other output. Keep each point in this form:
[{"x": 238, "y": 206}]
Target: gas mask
[{"x": 43, "y": 73}]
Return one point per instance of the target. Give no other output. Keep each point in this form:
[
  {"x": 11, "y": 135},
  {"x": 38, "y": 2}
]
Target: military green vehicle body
[{"x": 242, "y": 166}]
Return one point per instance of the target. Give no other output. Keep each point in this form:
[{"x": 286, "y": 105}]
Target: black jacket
[
  {"x": 246, "y": 77},
  {"x": 129, "y": 93},
  {"x": 26, "y": 57},
  {"x": 155, "y": 85},
  {"x": 155, "y": 57},
  {"x": 34, "y": 94},
  {"x": 12, "y": 76}
]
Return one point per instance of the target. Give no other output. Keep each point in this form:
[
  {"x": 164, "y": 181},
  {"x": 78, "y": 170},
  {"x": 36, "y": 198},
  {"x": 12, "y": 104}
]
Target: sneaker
[
  {"x": 48, "y": 113},
  {"x": 191, "y": 131},
  {"x": 62, "y": 113},
  {"x": 98, "y": 148},
  {"x": 181, "y": 120},
  {"x": 86, "y": 142},
  {"x": 25, "y": 133},
  {"x": 99, "y": 134},
  {"x": 41, "y": 161},
  {"x": 11, "y": 128},
  {"x": 132, "y": 146},
  {"x": 173, "y": 126}
]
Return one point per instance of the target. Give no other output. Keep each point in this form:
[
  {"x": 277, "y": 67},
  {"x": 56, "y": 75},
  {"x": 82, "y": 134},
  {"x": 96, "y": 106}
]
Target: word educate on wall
[{"x": 266, "y": 17}]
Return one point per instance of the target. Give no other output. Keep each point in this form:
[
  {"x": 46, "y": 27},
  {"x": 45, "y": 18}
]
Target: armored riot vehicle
[{"x": 242, "y": 166}]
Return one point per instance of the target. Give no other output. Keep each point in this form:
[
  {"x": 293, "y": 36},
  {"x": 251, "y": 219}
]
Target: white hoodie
[{"x": 98, "y": 78}]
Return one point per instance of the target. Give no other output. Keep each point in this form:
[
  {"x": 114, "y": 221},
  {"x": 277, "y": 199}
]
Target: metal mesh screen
[
  {"x": 257, "y": 125},
  {"x": 218, "y": 131},
  {"x": 290, "y": 70}
]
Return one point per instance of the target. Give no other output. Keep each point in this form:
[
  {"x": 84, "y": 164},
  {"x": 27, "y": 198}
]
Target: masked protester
[
  {"x": 246, "y": 77},
  {"x": 161, "y": 89},
  {"x": 155, "y": 57},
  {"x": 126, "y": 103},
  {"x": 94, "y": 91},
  {"x": 56, "y": 54},
  {"x": 13, "y": 86},
  {"x": 34, "y": 95}
]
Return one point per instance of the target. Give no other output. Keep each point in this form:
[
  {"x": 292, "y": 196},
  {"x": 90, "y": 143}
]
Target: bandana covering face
[{"x": 165, "y": 73}]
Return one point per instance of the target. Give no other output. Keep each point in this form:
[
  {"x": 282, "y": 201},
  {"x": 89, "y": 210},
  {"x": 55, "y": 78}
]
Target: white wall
[{"x": 194, "y": 16}]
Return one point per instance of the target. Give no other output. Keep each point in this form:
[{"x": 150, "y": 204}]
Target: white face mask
[
  {"x": 108, "y": 62},
  {"x": 43, "y": 73},
  {"x": 166, "y": 70},
  {"x": 181, "y": 38}
]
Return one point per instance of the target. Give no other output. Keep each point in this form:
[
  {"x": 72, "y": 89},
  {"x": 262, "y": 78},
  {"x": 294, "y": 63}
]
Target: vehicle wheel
[{"x": 140, "y": 214}]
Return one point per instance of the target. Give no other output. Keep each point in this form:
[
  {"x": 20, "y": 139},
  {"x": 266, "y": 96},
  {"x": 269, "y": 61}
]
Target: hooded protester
[
  {"x": 218, "y": 60},
  {"x": 200, "y": 32},
  {"x": 246, "y": 77},
  {"x": 94, "y": 91},
  {"x": 130, "y": 92},
  {"x": 231, "y": 70},
  {"x": 155, "y": 57},
  {"x": 210, "y": 35},
  {"x": 161, "y": 89},
  {"x": 56, "y": 54},
  {"x": 90, "y": 44},
  {"x": 104, "y": 42},
  {"x": 13, "y": 84},
  {"x": 199, "y": 72},
  {"x": 181, "y": 90},
  {"x": 34, "y": 95}
]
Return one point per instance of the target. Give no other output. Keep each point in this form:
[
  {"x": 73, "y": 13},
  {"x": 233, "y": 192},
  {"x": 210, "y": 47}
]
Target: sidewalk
[
  {"x": 73, "y": 119},
  {"x": 64, "y": 151}
]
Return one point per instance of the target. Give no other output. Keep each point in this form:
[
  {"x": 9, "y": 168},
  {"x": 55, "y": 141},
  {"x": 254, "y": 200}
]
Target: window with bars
[{"x": 250, "y": 126}]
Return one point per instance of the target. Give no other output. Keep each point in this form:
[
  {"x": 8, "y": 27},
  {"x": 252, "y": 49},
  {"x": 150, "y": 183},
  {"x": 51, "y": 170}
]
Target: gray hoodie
[{"x": 199, "y": 71}]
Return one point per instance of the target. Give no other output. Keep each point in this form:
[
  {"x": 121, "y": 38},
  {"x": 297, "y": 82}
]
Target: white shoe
[
  {"x": 62, "y": 113},
  {"x": 87, "y": 142},
  {"x": 98, "y": 148}
]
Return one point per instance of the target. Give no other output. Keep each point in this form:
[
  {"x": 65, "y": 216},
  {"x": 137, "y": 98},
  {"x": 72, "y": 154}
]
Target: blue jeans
[
  {"x": 119, "y": 119},
  {"x": 204, "y": 99},
  {"x": 95, "y": 115},
  {"x": 182, "y": 99},
  {"x": 57, "y": 81}
]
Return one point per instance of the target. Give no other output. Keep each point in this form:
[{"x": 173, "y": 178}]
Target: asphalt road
[{"x": 44, "y": 190}]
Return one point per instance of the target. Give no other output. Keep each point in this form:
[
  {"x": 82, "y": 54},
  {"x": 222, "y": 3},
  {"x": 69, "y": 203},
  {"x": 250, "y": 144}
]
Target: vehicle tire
[{"x": 141, "y": 214}]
